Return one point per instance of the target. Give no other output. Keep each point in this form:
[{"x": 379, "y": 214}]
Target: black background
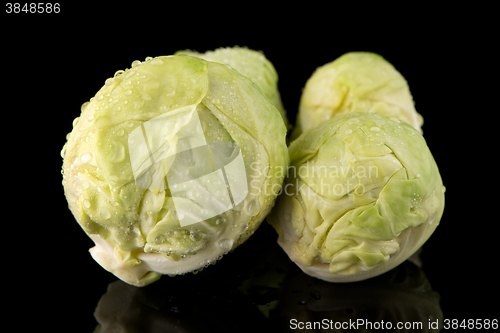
[{"x": 51, "y": 64}]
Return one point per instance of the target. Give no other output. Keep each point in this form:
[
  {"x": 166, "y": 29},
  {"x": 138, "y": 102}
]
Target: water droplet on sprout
[
  {"x": 226, "y": 244},
  {"x": 85, "y": 184},
  {"x": 105, "y": 214},
  {"x": 85, "y": 158},
  {"x": 84, "y": 106},
  {"x": 119, "y": 72}
]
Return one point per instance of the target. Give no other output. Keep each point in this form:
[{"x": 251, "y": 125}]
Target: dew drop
[
  {"x": 85, "y": 158},
  {"x": 108, "y": 81},
  {"x": 120, "y": 132},
  {"x": 63, "y": 151},
  {"x": 114, "y": 178},
  {"x": 119, "y": 151},
  {"x": 253, "y": 208},
  {"x": 117, "y": 90},
  {"x": 102, "y": 122},
  {"x": 135, "y": 63},
  {"x": 375, "y": 129},
  {"x": 156, "y": 62},
  {"x": 226, "y": 244},
  {"x": 85, "y": 185},
  {"x": 84, "y": 106},
  {"x": 119, "y": 72},
  {"x": 86, "y": 203},
  {"x": 128, "y": 92},
  {"x": 105, "y": 214},
  {"x": 129, "y": 74},
  {"x": 139, "y": 104}
]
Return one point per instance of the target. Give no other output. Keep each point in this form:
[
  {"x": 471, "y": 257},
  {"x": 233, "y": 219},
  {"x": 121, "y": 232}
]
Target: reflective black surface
[
  {"x": 52, "y": 64},
  {"x": 258, "y": 287}
]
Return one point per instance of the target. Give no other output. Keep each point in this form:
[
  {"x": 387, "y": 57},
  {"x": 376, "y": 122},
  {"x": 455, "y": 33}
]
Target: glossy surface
[{"x": 52, "y": 287}]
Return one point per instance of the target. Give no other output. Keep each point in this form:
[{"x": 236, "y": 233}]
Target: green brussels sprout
[
  {"x": 362, "y": 194},
  {"x": 252, "y": 64},
  {"x": 356, "y": 81},
  {"x": 174, "y": 163}
]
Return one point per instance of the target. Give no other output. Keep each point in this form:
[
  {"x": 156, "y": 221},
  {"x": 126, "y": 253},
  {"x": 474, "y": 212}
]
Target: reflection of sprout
[
  {"x": 401, "y": 300},
  {"x": 356, "y": 81},
  {"x": 363, "y": 223},
  {"x": 161, "y": 308},
  {"x": 258, "y": 282},
  {"x": 157, "y": 167},
  {"x": 237, "y": 288}
]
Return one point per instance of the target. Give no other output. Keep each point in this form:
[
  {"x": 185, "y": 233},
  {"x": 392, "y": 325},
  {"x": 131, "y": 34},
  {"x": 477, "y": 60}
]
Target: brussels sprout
[
  {"x": 356, "y": 81},
  {"x": 172, "y": 164},
  {"x": 252, "y": 64},
  {"x": 362, "y": 194}
]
